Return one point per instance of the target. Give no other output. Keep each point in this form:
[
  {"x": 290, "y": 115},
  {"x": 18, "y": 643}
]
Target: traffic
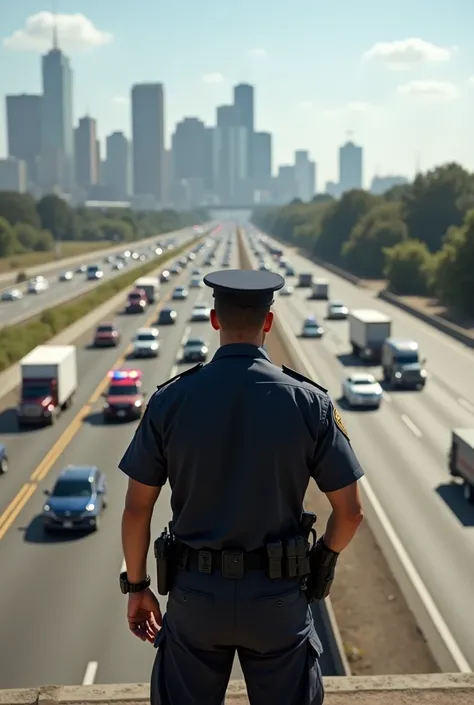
[{"x": 406, "y": 392}]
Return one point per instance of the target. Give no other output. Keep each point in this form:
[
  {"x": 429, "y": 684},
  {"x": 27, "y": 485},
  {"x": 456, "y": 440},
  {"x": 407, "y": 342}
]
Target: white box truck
[
  {"x": 461, "y": 459},
  {"x": 48, "y": 384},
  {"x": 368, "y": 330},
  {"x": 320, "y": 289},
  {"x": 150, "y": 286}
]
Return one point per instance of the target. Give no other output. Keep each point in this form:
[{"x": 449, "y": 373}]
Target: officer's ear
[
  {"x": 268, "y": 322},
  {"x": 214, "y": 320}
]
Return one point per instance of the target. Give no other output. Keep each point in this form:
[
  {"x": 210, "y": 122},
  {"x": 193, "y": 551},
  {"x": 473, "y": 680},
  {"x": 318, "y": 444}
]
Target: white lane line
[
  {"x": 123, "y": 569},
  {"x": 173, "y": 371},
  {"x": 409, "y": 423},
  {"x": 90, "y": 673},
  {"x": 466, "y": 405},
  {"x": 387, "y": 398},
  {"x": 186, "y": 333}
]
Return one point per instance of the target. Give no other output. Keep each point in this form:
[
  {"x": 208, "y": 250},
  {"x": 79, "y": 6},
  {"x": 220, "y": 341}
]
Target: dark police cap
[{"x": 246, "y": 288}]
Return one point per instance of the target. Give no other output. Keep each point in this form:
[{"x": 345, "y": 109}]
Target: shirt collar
[{"x": 241, "y": 350}]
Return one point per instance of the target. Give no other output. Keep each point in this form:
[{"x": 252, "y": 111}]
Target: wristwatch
[{"x": 126, "y": 586}]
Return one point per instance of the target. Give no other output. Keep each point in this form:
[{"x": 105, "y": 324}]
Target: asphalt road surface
[
  {"x": 32, "y": 304},
  {"x": 403, "y": 446}
]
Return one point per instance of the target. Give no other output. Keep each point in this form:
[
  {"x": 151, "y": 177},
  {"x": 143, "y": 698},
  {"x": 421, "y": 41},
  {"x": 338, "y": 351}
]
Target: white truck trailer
[
  {"x": 461, "y": 459},
  {"x": 368, "y": 330},
  {"x": 151, "y": 287}
]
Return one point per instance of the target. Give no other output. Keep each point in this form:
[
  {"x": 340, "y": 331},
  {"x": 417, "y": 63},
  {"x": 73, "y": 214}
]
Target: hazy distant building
[
  {"x": 86, "y": 158},
  {"x": 24, "y": 131},
  {"x": 13, "y": 175},
  {"x": 285, "y": 184},
  {"x": 57, "y": 136},
  {"x": 117, "y": 168},
  {"x": 305, "y": 174},
  {"x": 350, "y": 167},
  {"x": 210, "y": 158},
  {"x": 188, "y": 149},
  {"x": 381, "y": 184},
  {"x": 262, "y": 161},
  {"x": 244, "y": 106},
  {"x": 148, "y": 134}
]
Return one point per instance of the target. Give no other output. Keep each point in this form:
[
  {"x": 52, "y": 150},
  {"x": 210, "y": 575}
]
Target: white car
[
  {"x": 361, "y": 389},
  {"x": 311, "y": 328},
  {"x": 337, "y": 311},
  {"x": 146, "y": 343},
  {"x": 201, "y": 312},
  {"x": 196, "y": 283},
  {"x": 180, "y": 293},
  {"x": 37, "y": 285},
  {"x": 12, "y": 295},
  {"x": 287, "y": 290}
]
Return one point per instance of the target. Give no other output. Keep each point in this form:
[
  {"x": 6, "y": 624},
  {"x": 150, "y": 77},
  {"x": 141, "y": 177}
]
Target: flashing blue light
[{"x": 124, "y": 374}]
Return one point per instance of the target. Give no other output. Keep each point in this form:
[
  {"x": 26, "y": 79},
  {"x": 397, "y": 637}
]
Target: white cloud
[
  {"x": 120, "y": 100},
  {"x": 358, "y": 106},
  {"x": 75, "y": 33},
  {"x": 258, "y": 53},
  {"x": 214, "y": 77},
  {"x": 429, "y": 89},
  {"x": 407, "y": 53}
]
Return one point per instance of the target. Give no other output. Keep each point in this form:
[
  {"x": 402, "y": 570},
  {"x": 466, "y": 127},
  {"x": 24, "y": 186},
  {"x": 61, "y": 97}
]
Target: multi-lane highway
[
  {"x": 404, "y": 445},
  {"x": 32, "y": 304}
]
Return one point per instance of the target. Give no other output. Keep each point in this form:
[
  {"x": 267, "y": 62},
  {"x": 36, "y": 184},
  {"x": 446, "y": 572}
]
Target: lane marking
[
  {"x": 466, "y": 405},
  {"x": 174, "y": 371},
  {"x": 89, "y": 675},
  {"x": 409, "y": 423},
  {"x": 186, "y": 333}
]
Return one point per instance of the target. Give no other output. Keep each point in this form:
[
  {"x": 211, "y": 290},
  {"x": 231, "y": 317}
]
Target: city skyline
[{"x": 377, "y": 102}]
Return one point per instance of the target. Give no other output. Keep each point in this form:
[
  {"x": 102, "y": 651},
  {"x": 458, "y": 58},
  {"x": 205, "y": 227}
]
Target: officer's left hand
[{"x": 144, "y": 615}]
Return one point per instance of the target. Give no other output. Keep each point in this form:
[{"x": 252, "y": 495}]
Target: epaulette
[
  {"x": 302, "y": 378},
  {"x": 197, "y": 367}
]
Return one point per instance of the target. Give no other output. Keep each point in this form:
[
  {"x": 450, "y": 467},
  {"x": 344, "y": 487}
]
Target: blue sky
[{"x": 399, "y": 75}]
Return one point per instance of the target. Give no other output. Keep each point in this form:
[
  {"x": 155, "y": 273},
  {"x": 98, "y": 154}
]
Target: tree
[
  {"x": 379, "y": 229},
  {"x": 57, "y": 217},
  {"x": 436, "y": 201},
  {"x": 7, "y": 238},
  {"x": 338, "y": 222},
  {"x": 454, "y": 272},
  {"x": 408, "y": 268},
  {"x": 116, "y": 230},
  {"x": 18, "y": 208}
]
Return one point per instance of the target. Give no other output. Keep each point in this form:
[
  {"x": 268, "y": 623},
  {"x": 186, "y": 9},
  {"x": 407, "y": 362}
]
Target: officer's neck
[{"x": 232, "y": 337}]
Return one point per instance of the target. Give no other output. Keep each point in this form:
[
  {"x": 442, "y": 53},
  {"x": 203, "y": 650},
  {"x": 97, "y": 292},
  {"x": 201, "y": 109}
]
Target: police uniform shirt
[{"x": 238, "y": 440}]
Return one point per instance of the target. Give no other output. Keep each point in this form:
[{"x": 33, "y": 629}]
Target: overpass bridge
[{"x": 239, "y": 214}]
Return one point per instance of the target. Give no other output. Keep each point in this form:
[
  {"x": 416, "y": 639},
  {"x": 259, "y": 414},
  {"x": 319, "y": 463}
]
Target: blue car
[
  {"x": 77, "y": 500},
  {"x": 3, "y": 460}
]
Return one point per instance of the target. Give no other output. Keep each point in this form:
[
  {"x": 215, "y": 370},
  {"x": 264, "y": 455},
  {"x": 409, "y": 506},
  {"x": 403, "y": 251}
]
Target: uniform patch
[{"x": 340, "y": 423}]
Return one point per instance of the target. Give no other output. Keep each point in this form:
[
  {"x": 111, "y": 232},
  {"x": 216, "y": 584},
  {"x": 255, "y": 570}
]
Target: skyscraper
[
  {"x": 24, "y": 131},
  {"x": 245, "y": 116},
  {"x": 262, "y": 159},
  {"x": 86, "y": 158},
  {"x": 350, "y": 167},
  {"x": 304, "y": 175},
  {"x": 57, "y": 140},
  {"x": 188, "y": 149},
  {"x": 148, "y": 130},
  {"x": 117, "y": 165}
]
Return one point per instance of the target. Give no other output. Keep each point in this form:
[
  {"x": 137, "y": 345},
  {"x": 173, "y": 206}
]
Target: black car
[
  {"x": 3, "y": 460},
  {"x": 76, "y": 501},
  {"x": 166, "y": 317}
]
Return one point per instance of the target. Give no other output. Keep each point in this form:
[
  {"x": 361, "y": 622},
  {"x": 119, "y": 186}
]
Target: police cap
[{"x": 245, "y": 288}]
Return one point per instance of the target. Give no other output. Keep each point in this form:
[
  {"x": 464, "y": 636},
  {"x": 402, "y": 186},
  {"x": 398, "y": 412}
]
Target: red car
[
  {"x": 124, "y": 400},
  {"x": 106, "y": 335},
  {"x": 137, "y": 301}
]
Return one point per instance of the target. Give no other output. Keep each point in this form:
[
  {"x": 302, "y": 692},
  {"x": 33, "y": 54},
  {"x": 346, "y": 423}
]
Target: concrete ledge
[
  {"x": 436, "y": 321},
  {"x": 343, "y": 273},
  {"x": 433, "y": 689}
]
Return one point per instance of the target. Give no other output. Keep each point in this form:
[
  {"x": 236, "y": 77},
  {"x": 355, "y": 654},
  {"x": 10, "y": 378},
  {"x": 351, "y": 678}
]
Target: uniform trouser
[{"x": 267, "y": 622}]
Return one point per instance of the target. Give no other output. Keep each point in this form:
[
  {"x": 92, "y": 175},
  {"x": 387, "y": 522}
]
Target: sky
[{"x": 396, "y": 77}]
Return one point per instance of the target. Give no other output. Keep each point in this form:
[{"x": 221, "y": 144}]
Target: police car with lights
[
  {"x": 124, "y": 400},
  {"x": 146, "y": 343}
]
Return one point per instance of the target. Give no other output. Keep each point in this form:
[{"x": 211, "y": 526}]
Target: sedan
[
  {"x": 312, "y": 329},
  {"x": 66, "y": 276},
  {"x": 361, "y": 390},
  {"x": 337, "y": 311},
  {"x": 180, "y": 293},
  {"x": 195, "y": 350},
  {"x": 196, "y": 283},
  {"x": 77, "y": 500},
  {"x": 287, "y": 290},
  {"x": 12, "y": 295},
  {"x": 201, "y": 312},
  {"x": 167, "y": 316}
]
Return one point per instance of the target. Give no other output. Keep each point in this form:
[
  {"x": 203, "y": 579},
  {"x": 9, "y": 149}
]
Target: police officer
[{"x": 238, "y": 439}]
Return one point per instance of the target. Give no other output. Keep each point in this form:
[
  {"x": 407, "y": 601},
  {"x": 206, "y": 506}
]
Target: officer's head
[{"x": 242, "y": 301}]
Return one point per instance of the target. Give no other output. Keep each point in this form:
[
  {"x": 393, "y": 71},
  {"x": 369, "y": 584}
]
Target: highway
[
  {"x": 403, "y": 447},
  {"x": 58, "y": 292}
]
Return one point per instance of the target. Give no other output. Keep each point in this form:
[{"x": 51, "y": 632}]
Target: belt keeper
[{"x": 205, "y": 562}]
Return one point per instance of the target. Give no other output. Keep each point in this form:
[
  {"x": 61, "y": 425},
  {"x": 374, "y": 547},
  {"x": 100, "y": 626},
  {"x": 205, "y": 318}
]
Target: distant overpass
[{"x": 239, "y": 214}]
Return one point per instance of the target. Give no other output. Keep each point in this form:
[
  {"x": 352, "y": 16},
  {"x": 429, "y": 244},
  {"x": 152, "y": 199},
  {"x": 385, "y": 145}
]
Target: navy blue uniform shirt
[{"x": 238, "y": 441}]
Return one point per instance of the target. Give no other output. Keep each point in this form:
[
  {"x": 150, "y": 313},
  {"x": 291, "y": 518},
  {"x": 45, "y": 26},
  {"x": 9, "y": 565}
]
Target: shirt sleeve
[
  {"x": 335, "y": 464},
  {"x": 144, "y": 460}
]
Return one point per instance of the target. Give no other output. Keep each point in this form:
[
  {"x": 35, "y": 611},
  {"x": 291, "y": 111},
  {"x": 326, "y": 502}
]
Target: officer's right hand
[{"x": 144, "y": 615}]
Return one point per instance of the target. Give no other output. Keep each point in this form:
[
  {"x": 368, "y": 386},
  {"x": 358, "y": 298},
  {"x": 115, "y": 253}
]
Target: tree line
[
  {"x": 27, "y": 225},
  {"x": 419, "y": 236}
]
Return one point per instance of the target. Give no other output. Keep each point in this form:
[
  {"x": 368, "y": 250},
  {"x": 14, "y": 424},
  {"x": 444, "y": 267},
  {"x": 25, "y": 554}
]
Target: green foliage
[
  {"x": 16, "y": 341},
  {"x": 454, "y": 274},
  {"x": 408, "y": 268}
]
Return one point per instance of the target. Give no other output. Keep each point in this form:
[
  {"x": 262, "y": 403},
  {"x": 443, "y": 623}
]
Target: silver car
[
  {"x": 146, "y": 343},
  {"x": 361, "y": 390}
]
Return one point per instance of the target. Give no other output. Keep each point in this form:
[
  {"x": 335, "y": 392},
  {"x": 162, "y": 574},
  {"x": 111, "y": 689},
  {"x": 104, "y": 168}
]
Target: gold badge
[{"x": 340, "y": 423}]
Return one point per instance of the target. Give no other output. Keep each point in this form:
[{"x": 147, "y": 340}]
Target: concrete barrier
[
  {"x": 343, "y": 273},
  {"x": 436, "y": 321}
]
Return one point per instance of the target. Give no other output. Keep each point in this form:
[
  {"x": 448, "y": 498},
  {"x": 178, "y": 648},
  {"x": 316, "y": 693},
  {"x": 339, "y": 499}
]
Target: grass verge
[
  {"x": 36, "y": 259},
  {"x": 16, "y": 341}
]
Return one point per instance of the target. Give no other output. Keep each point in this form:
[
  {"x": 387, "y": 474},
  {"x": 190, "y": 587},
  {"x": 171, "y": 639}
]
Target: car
[
  {"x": 196, "y": 283},
  {"x": 196, "y": 273},
  {"x": 94, "y": 272},
  {"x": 12, "y": 295},
  {"x": 201, "y": 312},
  {"x": 195, "y": 350},
  {"x": 180, "y": 293},
  {"x": 183, "y": 262},
  {"x": 167, "y": 316},
  {"x": 337, "y": 311},
  {"x": 124, "y": 399},
  {"x": 118, "y": 265},
  {"x": 81, "y": 269},
  {"x": 3, "y": 460},
  {"x": 311, "y": 328},
  {"x": 361, "y": 389},
  {"x": 165, "y": 276},
  {"x": 146, "y": 343},
  {"x": 76, "y": 501},
  {"x": 209, "y": 261},
  {"x": 137, "y": 301},
  {"x": 106, "y": 335},
  {"x": 37, "y": 285},
  {"x": 289, "y": 271},
  {"x": 286, "y": 290},
  {"x": 176, "y": 269},
  {"x": 66, "y": 276}
]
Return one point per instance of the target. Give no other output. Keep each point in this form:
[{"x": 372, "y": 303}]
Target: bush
[{"x": 408, "y": 269}]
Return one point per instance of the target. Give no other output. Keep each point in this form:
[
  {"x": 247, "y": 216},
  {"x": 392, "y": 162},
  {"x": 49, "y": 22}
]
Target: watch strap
[{"x": 127, "y": 587}]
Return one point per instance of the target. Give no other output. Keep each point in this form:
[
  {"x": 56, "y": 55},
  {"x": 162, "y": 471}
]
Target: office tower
[
  {"x": 381, "y": 184},
  {"x": 99, "y": 162},
  {"x": 117, "y": 165},
  {"x": 245, "y": 116},
  {"x": 188, "y": 149},
  {"x": 86, "y": 159},
  {"x": 304, "y": 175},
  {"x": 350, "y": 167},
  {"x": 285, "y": 182},
  {"x": 148, "y": 134},
  {"x": 24, "y": 131},
  {"x": 210, "y": 158},
  {"x": 232, "y": 157},
  {"x": 13, "y": 175},
  {"x": 262, "y": 159},
  {"x": 57, "y": 135}
]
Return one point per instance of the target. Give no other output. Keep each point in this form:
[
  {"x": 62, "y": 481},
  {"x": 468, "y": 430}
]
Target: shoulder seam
[
  {"x": 191, "y": 370},
  {"x": 302, "y": 378}
]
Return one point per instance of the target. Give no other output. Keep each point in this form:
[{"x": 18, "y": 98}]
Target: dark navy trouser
[{"x": 209, "y": 618}]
